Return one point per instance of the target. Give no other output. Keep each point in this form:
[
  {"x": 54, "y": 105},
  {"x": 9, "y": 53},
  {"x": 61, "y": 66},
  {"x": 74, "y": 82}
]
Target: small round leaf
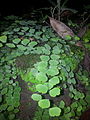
[
  {"x": 11, "y": 45},
  {"x": 41, "y": 77},
  {"x": 54, "y": 111},
  {"x": 44, "y": 103},
  {"x": 41, "y": 88},
  {"x": 36, "y": 97},
  {"x": 54, "y": 92},
  {"x": 25, "y": 41},
  {"x": 16, "y": 41},
  {"x": 3, "y": 39}
]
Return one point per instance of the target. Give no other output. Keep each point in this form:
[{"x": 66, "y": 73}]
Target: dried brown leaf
[{"x": 61, "y": 28}]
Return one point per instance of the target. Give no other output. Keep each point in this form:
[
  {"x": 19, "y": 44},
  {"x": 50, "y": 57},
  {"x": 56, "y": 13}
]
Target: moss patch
[{"x": 27, "y": 61}]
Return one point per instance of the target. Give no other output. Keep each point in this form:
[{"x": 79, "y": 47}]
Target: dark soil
[
  {"x": 85, "y": 115},
  {"x": 28, "y": 106}
]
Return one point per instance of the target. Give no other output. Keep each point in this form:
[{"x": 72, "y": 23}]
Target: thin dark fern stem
[{"x": 58, "y": 4}]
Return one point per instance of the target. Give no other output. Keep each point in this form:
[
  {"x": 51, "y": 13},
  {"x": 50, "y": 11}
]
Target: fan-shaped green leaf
[
  {"x": 36, "y": 97},
  {"x": 32, "y": 44},
  {"x": 64, "y": 85},
  {"x": 54, "y": 80},
  {"x": 55, "y": 57},
  {"x": 54, "y": 111},
  {"x": 45, "y": 51},
  {"x": 53, "y": 62},
  {"x": 32, "y": 30},
  {"x": 82, "y": 95},
  {"x": 68, "y": 37},
  {"x": 16, "y": 103},
  {"x": 67, "y": 109},
  {"x": 17, "y": 89},
  {"x": 74, "y": 105},
  {"x": 16, "y": 29},
  {"x": 38, "y": 50},
  {"x": 56, "y": 50},
  {"x": 48, "y": 85},
  {"x": 22, "y": 22},
  {"x": 79, "y": 108},
  {"x": 41, "y": 88},
  {"x": 71, "y": 95},
  {"x": 16, "y": 41},
  {"x": 83, "y": 102},
  {"x": 34, "y": 71},
  {"x": 21, "y": 47},
  {"x": 71, "y": 74},
  {"x": 44, "y": 58},
  {"x": 69, "y": 81},
  {"x": 52, "y": 71},
  {"x": 16, "y": 111},
  {"x": 62, "y": 104},
  {"x": 25, "y": 28},
  {"x": 44, "y": 38},
  {"x": 11, "y": 45},
  {"x": 55, "y": 39},
  {"x": 42, "y": 66},
  {"x": 20, "y": 33},
  {"x": 38, "y": 33},
  {"x": 10, "y": 108},
  {"x": 11, "y": 116},
  {"x": 47, "y": 46},
  {"x": 25, "y": 41},
  {"x": 59, "y": 45},
  {"x": 3, "y": 107},
  {"x": 41, "y": 77},
  {"x": 42, "y": 69},
  {"x": 76, "y": 38},
  {"x": 4, "y": 91},
  {"x": 44, "y": 103},
  {"x": 3, "y": 39},
  {"x": 71, "y": 88},
  {"x": 54, "y": 92},
  {"x": 68, "y": 68},
  {"x": 63, "y": 62},
  {"x": 64, "y": 72}
]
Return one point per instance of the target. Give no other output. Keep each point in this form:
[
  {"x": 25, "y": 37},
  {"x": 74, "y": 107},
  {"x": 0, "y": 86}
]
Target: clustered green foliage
[
  {"x": 86, "y": 38},
  {"x": 41, "y": 114},
  {"x": 9, "y": 88},
  {"x": 83, "y": 77},
  {"x": 49, "y": 76}
]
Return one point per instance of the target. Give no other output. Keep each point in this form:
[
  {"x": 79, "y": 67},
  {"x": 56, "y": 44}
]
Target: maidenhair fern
[{"x": 49, "y": 78}]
